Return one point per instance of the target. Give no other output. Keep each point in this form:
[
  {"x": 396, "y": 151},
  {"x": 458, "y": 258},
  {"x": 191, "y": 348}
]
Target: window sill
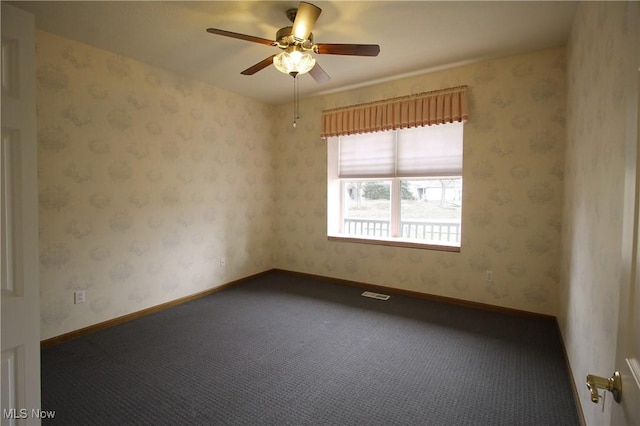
[{"x": 396, "y": 242}]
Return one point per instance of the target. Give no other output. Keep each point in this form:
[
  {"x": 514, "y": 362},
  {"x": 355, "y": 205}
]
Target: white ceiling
[{"x": 414, "y": 36}]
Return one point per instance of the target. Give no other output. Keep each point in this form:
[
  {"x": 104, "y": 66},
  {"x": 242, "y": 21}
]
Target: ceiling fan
[{"x": 297, "y": 44}]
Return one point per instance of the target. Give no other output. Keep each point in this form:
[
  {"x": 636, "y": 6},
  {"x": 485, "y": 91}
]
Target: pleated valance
[{"x": 422, "y": 109}]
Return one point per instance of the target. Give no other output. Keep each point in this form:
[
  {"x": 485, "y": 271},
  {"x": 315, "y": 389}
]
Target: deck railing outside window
[{"x": 420, "y": 230}]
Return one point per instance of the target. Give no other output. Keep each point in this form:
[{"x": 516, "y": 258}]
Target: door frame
[{"x": 628, "y": 412}]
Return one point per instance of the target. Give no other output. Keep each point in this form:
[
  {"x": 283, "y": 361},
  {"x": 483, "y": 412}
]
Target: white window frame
[{"x": 336, "y": 207}]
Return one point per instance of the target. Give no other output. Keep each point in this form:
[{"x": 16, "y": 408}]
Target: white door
[
  {"x": 20, "y": 310},
  {"x": 628, "y": 346}
]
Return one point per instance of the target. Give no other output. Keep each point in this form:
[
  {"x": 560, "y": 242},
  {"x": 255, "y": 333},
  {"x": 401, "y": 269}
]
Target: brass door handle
[{"x": 613, "y": 384}]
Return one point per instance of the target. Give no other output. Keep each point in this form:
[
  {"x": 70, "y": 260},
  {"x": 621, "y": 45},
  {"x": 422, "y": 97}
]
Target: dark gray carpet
[{"x": 288, "y": 350}]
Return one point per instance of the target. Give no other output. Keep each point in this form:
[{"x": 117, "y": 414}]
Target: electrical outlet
[
  {"x": 78, "y": 296},
  {"x": 223, "y": 262},
  {"x": 488, "y": 276}
]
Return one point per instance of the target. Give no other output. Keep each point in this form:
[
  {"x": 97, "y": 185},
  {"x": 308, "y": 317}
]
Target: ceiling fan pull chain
[{"x": 296, "y": 101}]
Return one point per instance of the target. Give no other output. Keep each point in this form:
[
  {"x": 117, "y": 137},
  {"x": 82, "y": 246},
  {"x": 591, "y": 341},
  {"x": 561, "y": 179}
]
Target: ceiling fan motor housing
[{"x": 284, "y": 38}]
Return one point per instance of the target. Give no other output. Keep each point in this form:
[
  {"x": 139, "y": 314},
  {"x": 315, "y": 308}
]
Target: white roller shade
[
  {"x": 414, "y": 152},
  {"x": 367, "y": 155},
  {"x": 430, "y": 151}
]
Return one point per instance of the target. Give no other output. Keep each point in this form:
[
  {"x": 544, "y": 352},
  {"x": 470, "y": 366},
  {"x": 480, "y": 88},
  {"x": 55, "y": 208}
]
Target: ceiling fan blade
[
  {"x": 241, "y": 36},
  {"x": 347, "y": 49},
  {"x": 318, "y": 74},
  {"x": 306, "y": 18},
  {"x": 259, "y": 66}
]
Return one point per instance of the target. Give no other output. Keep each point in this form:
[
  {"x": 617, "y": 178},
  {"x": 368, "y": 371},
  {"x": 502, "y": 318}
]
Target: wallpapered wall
[
  {"x": 512, "y": 191},
  {"x": 146, "y": 179},
  {"x": 592, "y": 223}
]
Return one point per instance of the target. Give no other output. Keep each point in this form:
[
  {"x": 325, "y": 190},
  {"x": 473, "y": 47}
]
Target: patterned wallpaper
[
  {"x": 512, "y": 193},
  {"x": 592, "y": 223},
  {"x": 146, "y": 180}
]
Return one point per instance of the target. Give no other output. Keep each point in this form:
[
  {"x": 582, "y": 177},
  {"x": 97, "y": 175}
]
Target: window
[{"x": 400, "y": 187}]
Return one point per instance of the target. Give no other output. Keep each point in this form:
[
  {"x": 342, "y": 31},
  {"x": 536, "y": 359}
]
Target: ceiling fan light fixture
[{"x": 294, "y": 61}]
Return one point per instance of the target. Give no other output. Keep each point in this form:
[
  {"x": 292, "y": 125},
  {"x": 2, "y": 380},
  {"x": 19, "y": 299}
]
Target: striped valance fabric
[{"x": 423, "y": 109}]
